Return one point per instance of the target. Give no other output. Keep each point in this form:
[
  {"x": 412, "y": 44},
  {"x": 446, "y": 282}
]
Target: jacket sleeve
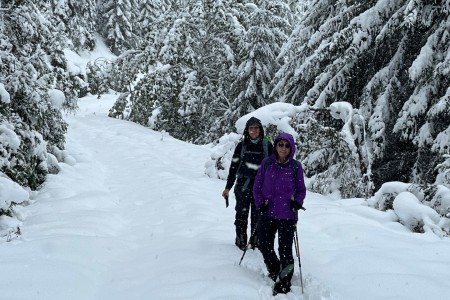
[
  {"x": 300, "y": 188},
  {"x": 235, "y": 161},
  {"x": 258, "y": 185}
]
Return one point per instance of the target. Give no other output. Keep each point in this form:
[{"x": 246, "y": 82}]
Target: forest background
[{"x": 193, "y": 68}]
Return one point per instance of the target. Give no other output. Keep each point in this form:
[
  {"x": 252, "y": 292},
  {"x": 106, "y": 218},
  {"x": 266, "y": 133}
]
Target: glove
[
  {"x": 295, "y": 206},
  {"x": 264, "y": 207}
]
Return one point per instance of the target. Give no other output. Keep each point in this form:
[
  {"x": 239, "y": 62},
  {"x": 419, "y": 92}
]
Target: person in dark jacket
[
  {"x": 246, "y": 160},
  {"x": 279, "y": 191}
]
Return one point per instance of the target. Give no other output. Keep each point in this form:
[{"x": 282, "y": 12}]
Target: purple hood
[{"x": 290, "y": 139}]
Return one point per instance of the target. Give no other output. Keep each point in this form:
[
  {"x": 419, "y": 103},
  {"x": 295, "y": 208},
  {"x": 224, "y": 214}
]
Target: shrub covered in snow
[
  {"x": 220, "y": 161},
  {"x": 419, "y": 208},
  {"x": 11, "y": 194}
]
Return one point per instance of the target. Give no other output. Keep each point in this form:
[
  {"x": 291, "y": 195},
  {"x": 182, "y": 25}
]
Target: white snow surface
[
  {"x": 135, "y": 217},
  {"x": 4, "y": 95},
  {"x": 57, "y": 98}
]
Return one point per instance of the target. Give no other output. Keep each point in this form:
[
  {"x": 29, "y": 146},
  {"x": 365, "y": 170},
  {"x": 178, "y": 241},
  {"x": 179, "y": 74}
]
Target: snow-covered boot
[
  {"x": 281, "y": 287},
  {"x": 273, "y": 276}
]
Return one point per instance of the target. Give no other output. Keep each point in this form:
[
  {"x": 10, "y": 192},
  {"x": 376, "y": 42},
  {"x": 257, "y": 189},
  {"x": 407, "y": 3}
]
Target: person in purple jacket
[{"x": 279, "y": 191}]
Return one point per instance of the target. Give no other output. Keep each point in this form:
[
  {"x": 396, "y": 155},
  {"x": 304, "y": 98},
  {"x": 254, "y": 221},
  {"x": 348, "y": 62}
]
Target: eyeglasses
[{"x": 284, "y": 145}]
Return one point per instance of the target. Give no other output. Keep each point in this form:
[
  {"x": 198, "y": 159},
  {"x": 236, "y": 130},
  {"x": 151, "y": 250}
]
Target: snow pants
[
  {"x": 282, "y": 267},
  {"x": 245, "y": 206}
]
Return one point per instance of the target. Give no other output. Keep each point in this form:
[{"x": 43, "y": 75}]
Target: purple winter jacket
[{"x": 276, "y": 184}]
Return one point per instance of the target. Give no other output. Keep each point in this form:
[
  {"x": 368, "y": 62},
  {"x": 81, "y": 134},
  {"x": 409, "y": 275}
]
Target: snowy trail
[
  {"x": 165, "y": 216},
  {"x": 135, "y": 218}
]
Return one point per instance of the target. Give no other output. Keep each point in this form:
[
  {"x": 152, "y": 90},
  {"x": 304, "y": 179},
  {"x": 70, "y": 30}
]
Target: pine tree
[
  {"x": 265, "y": 33},
  {"x": 194, "y": 43},
  {"x": 122, "y": 74},
  {"x": 149, "y": 14},
  {"x": 116, "y": 24},
  {"x": 161, "y": 89},
  {"x": 423, "y": 119},
  {"x": 77, "y": 19},
  {"x": 73, "y": 27},
  {"x": 26, "y": 77},
  {"x": 383, "y": 57},
  {"x": 219, "y": 46}
]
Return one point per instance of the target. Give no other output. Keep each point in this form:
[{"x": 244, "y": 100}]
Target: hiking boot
[
  {"x": 281, "y": 288},
  {"x": 241, "y": 242},
  {"x": 254, "y": 243},
  {"x": 241, "y": 234},
  {"x": 273, "y": 276}
]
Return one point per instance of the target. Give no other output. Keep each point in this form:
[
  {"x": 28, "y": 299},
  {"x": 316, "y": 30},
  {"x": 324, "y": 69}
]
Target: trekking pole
[
  {"x": 249, "y": 241},
  {"x": 297, "y": 250}
]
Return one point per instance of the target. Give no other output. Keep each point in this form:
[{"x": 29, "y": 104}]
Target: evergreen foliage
[
  {"x": 75, "y": 18},
  {"x": 35, "y": 84},
  {"x": 187, "y": 53},
  {"x": 226, "y": 54},
  {"x": 217, "y": 59},
  {"x": 99, "y": 76},
  {"x": 386, "y": 58},
  {"x": 265, "y": 33},
  {"x": 116, "y": 24},
  {"x": 193, "y": 68}
]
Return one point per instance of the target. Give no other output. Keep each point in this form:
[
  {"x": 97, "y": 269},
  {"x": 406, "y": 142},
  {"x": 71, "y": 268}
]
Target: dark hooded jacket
[
  {"x": 247, "y": 168},
  {"x": 276, "y": 184}
]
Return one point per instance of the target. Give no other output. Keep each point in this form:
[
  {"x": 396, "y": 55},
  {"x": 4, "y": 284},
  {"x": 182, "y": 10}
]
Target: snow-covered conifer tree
[
  {"x": 172, "y": 72},
  {"x": 76, "y": 17},
  {"x": 200, "y": 39},
  {"x": 28, "y": 110},
  {"x": 424, "y": 118},
  {"x": 149, "y": 13},
  {"x": 385, "y": 58},
  {"x": 116, "y": 24},
  {"x": 214, "y": 76},
  {"x": 265, "y": 32}
]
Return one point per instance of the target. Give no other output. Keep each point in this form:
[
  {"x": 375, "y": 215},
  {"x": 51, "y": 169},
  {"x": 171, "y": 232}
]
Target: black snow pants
[
  {"x": 282, "y": 267},
  {"x": 245, "y": 206}
]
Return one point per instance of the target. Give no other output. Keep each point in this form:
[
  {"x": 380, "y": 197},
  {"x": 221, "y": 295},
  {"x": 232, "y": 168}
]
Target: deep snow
[{"x": 133, "y": 216}]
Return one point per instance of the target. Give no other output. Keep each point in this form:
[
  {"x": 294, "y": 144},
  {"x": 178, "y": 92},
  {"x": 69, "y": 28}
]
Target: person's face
[
  {"x": 253, "y": 131},
  {"x": 283, "y": 149}
]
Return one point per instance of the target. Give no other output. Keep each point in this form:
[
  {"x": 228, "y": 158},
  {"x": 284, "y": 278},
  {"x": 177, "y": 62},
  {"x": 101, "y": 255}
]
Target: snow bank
[
  {"x": 414, "y": 215},
  {"x": 11, "y": 192}
]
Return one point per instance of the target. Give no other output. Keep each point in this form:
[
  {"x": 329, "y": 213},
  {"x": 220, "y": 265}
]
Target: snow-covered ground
[{"x": 134, "y": 217}]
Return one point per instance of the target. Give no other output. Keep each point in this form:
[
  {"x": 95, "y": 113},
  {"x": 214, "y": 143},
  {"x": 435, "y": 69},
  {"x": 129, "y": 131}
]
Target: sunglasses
[{"x": 284, "y": 145}]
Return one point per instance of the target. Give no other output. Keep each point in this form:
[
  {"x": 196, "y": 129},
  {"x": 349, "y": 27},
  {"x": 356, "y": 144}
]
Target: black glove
[
  {"x": 264, "y": 207},
  {"x": 226, "y": 201},
  {"x": 295, "y": 206}
]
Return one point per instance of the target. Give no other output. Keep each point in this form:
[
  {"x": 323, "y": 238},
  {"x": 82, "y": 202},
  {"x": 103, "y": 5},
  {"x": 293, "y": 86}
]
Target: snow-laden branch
[{"x": 278, "y": 114}]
